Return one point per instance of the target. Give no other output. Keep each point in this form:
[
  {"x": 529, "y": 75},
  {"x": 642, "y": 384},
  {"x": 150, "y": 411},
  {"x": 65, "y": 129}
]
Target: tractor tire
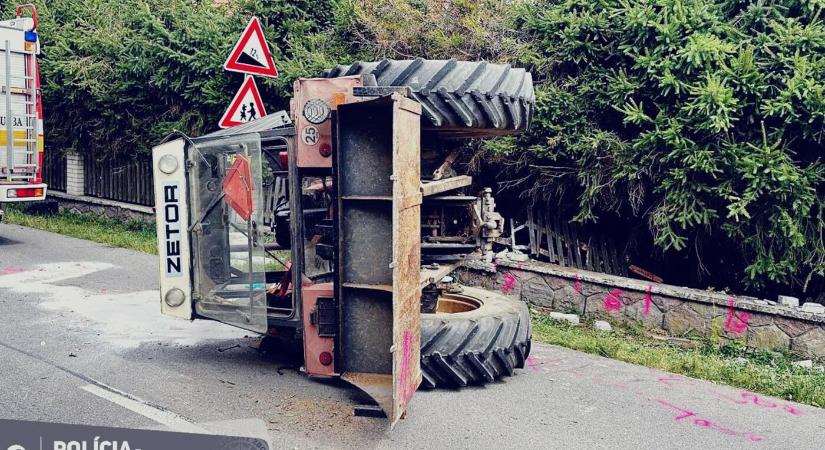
[
  {"x": 459, "y": 98},
  {"x": 477, "y": 346}
]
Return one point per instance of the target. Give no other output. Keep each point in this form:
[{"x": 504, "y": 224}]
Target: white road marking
[{"x": 166, "y": 418}]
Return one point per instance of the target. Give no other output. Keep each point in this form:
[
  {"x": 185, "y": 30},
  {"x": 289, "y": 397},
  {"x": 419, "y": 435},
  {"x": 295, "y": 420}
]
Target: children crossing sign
[
  {"x": 246, "y": 106},
  {"x": 251, "y": 53}
]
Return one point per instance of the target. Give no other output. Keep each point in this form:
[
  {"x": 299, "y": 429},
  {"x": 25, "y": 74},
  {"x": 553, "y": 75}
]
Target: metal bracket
[
  {"x": 368, "y": 411},
  {"x": 325, "y": 316},
  {"x": 380, "y": 91}
]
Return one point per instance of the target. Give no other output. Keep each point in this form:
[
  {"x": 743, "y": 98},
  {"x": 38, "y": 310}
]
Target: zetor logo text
[{"x": 171, "y": 215}]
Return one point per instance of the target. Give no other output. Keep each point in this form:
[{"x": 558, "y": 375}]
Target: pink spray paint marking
[
  {"x": 509, "y": 283},
  {"x": 749, "y": 398},
  {"x": 705, "y": 423},
  {"x": 577, "y": 286},
  {"x": 406, "y": 363},
  {"x": 793, "y": 410},
  {"x": 599, "y": 379},
  {"x": 648, "y": 300},
  {"x": 753, "y": 398},
  {"x": 613, "y": 301},
  {"x": 745, "y": 397},
  {"x": 683, "y": 413},
  {"x": 532, "y": 364},
  {"x": 667, "y": 379},
  {"x": 736, "y": 323},
  {"x": 556, "y": 362},
  {"x": 11, "y": 270}
]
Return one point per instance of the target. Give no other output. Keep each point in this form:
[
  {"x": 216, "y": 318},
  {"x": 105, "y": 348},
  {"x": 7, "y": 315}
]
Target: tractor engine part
[
  {"x": 444, "y": 170},
  {"x": 489, "y": 222},
  {"x": 312, "y": 106},
  {"x": 320, "y": 319}
]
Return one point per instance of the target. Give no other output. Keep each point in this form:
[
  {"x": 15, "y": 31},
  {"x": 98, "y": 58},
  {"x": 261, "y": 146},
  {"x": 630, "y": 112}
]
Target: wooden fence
[
  {"x": 54, "y": 170},
  {"x": 126, "y": 179},
  {"x": 570, "y": 245}
]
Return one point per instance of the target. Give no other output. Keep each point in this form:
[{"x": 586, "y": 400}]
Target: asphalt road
[{"x": 82, "y": 341}]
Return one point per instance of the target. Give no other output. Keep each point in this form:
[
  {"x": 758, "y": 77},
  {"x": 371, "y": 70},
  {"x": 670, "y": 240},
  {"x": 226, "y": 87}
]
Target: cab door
[
  {"x": 224, "y": 230},
  {"x": 229, "y": 262}
]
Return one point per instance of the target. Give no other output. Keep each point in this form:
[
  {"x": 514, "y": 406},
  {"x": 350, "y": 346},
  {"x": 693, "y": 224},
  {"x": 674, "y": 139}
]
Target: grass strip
[{"x": 132, "y": 234}]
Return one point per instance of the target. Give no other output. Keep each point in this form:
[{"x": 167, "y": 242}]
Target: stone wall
[
  {"x": 103, "y": 207},
  {"x": 678, "y": 311}
]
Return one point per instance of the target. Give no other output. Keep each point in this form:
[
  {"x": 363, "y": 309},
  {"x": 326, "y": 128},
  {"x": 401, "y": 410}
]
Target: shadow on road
[{"x": 8, "y": 242}]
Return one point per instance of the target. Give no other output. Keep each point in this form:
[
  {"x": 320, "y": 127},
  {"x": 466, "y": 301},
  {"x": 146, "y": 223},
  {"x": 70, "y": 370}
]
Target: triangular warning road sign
[
  {"x": 251, "y": 53},
  {"x": 245, "y": 107}
]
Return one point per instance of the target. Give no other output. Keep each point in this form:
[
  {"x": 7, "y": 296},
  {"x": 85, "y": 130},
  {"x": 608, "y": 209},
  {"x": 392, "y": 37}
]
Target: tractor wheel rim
[{"x": 456, "y": 303}]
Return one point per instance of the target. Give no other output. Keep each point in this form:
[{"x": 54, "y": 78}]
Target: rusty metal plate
[
  {"x": 406, "y": 229},
  {"x": 379, "y": 198}
]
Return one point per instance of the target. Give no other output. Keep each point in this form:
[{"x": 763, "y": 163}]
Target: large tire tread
[
  {"x": 476, "y": 98},
  {"x": 477, "y": 347}
]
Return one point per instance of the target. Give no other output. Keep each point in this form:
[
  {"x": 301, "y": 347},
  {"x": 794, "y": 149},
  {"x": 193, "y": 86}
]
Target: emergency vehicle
[{"x": 21, "y": 111}]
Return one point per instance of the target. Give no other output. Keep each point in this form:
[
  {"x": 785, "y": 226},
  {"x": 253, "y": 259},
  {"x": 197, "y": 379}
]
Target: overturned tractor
[{"x": 339, "y": 223}]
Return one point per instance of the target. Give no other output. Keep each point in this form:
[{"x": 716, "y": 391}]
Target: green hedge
[
  {"x": 120, "y": 75},
  {"x": 703, "y": 118}
]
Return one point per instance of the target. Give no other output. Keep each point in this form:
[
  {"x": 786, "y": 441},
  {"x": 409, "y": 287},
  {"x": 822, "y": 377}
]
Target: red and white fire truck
[{"x": 21, "y": 111}]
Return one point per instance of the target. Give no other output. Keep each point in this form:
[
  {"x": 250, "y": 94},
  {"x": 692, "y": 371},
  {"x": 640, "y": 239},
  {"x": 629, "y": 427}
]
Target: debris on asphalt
[
  {"x": 281, "y": 369},
  {"x": 601, "y": 325},
  {"x": 228, "y": 348}
]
